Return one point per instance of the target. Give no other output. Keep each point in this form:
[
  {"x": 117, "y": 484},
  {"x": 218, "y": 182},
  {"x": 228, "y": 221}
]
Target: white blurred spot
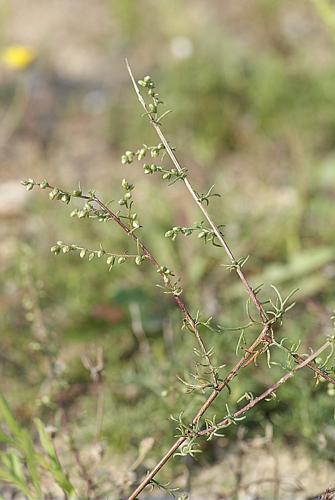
[{"x": 181, "y": 47}]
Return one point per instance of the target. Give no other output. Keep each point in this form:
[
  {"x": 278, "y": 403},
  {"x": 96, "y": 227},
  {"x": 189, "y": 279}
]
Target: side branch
[{"x": 304, "y": 362}]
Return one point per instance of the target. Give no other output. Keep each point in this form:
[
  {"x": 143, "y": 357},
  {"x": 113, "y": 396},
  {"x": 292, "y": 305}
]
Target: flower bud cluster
[
  {"x": 55, "y": 192},
  {"x": 171, "y": 174},
  {"x": 205, "y": 234},
  {"x": 129, "y": 156},
  {"x": 111, "y": 260},
  {"x": 165, "y": 272}
]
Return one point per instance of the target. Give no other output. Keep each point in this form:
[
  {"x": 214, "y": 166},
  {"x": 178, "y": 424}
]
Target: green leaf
[{"x": 52, "y": 464}]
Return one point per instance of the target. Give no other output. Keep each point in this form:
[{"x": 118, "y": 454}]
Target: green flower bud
[
  {"x": 111, "y": 260},
  {"x": 124, "y": 184},
  {"x": 127, "y": 196},
  {"x": 54, "y": 193},
  {"x": 141, "y": 153},
  {"x": 29, "y": 186},
  {"x": 122, "y": 202},
  {"x": 91, "y": 256},
  {"x": 135, "y": 224},
  {"x": 168, "y": 234},
  {"x": 121, "y": 260},
  {"x": 77, "y": 192},
  {"x": 66, "y": 249},
  {"x": 129, "y": 156},
  {"x": 44, "y": 184},
  {"x": 82, "y": 253},
  {"x": 201, "y": 234},
  {"x": 167, "y": 175},
  {"x": 138, "y": 260},
  {"x": 55, "y": 249},
  {"x": 100, "y": 253},
  {"x": 65, "y": 198},
  {"x": 152, "y": 108},
  {"x": 74, "y": 213},
  {"x": 147, "y": 168}
]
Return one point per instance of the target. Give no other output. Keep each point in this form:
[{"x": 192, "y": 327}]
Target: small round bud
[
  {"x": 129, "y": 156},
  {"x": 44, "y": 184},
  {"x": 121, "y": 260},
  {"x": 77, "y": 192},
  {"x": 141, "y": 153},
  {"x": 65, "y": 198},
  {"x": 66, "y": 249},
  {"x": 82, "y": 253},
  {"x": 54, "y": 193},
  {"x": 55, "y": 249}
]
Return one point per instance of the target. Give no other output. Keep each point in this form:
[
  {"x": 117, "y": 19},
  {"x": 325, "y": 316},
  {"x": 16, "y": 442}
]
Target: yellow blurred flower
[{"x": 17, "y": 56}]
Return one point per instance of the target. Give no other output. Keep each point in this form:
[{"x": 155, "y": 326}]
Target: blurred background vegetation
[{"x": 251, "y": 85}]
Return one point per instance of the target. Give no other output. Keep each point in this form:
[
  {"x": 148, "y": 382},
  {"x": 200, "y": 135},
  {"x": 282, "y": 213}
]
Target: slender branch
[
  {"x": 178, "y": 298},
  {"x": 270, "y": 390},
  {"x": 232, "y": 374},
  {"x": 227, "y": 420},
  {"x": 195, "y": 197},
  {"x": 243, "y": 362}
]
